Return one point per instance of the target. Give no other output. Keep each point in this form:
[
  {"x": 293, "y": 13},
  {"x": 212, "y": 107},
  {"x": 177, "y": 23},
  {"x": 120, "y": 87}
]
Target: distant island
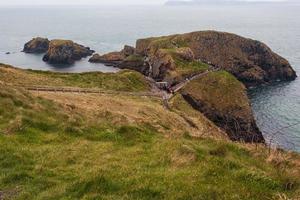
[{"x": 201, "y": 2}]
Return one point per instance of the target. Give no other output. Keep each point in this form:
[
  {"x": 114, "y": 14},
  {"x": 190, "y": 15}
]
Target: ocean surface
[{"x": 104, "y": 29}]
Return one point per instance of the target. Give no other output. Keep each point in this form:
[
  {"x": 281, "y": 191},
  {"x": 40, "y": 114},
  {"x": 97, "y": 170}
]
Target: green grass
[
  {"x": 135, "y": 58},
  {"x": 124, "y": 80},
  {"x": 220, "y": 90},
  {"x": 62, "y": 155}
]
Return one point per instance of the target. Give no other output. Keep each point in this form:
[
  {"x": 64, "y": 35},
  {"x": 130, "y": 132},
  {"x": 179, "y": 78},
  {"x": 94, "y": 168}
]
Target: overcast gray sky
[
  {"x": 73, "y": 2},
  {"x": 85, "y": 2}
]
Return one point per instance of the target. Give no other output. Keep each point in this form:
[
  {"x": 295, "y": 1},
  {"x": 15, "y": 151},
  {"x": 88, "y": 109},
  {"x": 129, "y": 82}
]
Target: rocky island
[
  {"x": 250, "y": 61},
  {"x": 57, "y": 51},
  {"x": 36, "y": 45}
]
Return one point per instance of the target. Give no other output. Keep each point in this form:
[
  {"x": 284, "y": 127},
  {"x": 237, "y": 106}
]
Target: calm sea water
[{"x": 107, "y": 29}]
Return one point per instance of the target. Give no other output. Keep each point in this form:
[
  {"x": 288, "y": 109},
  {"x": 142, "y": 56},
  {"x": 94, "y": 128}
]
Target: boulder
[
  {"x": 135, "y": 62},
  {"x": 36, "y": 45},
  {"x": 223, "y": 99},
  {"x": 251, "y": 61},
  {"x": 65, "y": 52},
  {"x": 128, "y": 50}
]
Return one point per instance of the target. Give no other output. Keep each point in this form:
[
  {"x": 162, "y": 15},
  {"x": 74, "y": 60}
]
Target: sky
[
  {"x": 85, "y": 2},
  {"x": 79, "y": 2}
]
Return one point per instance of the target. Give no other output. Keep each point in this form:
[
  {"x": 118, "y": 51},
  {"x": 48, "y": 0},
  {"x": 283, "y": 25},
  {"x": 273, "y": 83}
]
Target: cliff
[{"x": 223, "y": 99}]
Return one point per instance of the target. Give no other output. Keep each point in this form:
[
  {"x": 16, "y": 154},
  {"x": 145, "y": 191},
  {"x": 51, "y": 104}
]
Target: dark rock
[
  {"x": 36, "y": 45},
  {"x": 66, "y": 52},
  {"x": 7, "y": 53}
]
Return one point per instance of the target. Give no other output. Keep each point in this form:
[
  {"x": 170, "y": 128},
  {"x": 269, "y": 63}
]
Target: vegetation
[
  {"x": 116, "y": 147},
  {"x": 135, "y": 58},
  {"x": 221, "y": 90},
  {"x": 122, "y": 81}
]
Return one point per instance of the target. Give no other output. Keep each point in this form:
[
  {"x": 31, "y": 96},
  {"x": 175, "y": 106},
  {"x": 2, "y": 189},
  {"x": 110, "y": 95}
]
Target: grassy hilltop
[{"x": 117, "y": 146}]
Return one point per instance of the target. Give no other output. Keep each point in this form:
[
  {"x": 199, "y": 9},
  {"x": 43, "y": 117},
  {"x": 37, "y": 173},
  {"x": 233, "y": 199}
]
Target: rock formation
[
  {"x": 36, "y": 45},
  {"x": 134, "y": 62},
  {"x": 128, "y": 50},
  {"x": 113, "y": 58},
  {"x": 252, "y": 62},
  {"x": 65, "y": 52},
  {"x": 223, "y": 100}
]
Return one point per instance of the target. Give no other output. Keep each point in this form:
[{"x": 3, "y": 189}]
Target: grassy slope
[
  {"x": 122, "y": 81},
  {"x": 71, "y": 154},
  {"x": 221, "y": 91}
]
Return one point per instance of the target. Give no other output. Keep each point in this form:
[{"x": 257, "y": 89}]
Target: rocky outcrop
[
  {"x": 135, "y": 62},
  {"x": 164, "y": 61},
  {"x": 223, "y": 100},
  {"x": 65, "y": 52},
  {"x": 251, "y": 61},
  {"x": 128, "y": 50},
  {"x": 112, "y": 58},
  {"x": 36, "y": 45}
]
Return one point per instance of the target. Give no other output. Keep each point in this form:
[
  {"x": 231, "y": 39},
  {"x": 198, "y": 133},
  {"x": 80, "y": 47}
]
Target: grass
[
  {"x": 71, "y": 154},
  {"x": 124, "y": 80},
  {"x": 220, "y": 90},
  {"x": 135, "y": 58},
  {"x": 61, "y": 166}
]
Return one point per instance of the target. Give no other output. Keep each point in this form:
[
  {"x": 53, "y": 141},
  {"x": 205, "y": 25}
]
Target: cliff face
[
  {"x": 223, "y": 100},
  {"x": 252, "y": 62}
]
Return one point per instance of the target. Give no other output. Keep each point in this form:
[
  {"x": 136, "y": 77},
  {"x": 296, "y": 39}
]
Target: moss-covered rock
[
  {"x": 36, "y": 45},
  {"x": 223, "y": 99},
  {"x": 65, "y": 52}
]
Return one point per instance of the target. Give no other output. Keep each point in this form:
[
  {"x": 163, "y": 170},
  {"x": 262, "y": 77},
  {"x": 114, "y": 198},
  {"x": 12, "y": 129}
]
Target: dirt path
[
  {"x": 155, "y": 92},
  {"x": 86, "y": 91}
]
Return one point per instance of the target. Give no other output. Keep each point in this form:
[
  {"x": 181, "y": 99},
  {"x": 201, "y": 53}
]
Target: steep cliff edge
[{"x": 223, "y": 100}]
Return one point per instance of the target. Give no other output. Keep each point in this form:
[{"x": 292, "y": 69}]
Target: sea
[{"x": 109, "y": 28}]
